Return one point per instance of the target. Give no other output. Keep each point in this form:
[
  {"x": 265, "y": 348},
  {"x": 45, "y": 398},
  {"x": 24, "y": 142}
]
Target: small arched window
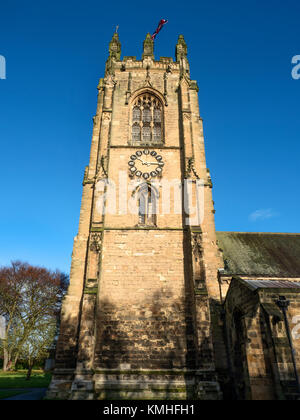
[
  {"x": 147, "y": 114},
  {"x": 147, "y": 202}
]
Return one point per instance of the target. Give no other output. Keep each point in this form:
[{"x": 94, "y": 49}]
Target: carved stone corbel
[
  {"x": 197, "y": 245},
  {"x": 95, "y": 242},
  {"x": 187, "y": 116},
  {"x": 106, "y": 116}
]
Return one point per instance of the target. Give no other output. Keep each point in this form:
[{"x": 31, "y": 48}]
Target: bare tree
[{"x": 29, "y": 298}]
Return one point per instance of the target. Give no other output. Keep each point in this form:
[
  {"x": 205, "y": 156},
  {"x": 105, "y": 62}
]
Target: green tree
[{"x": 36, "y": 347}]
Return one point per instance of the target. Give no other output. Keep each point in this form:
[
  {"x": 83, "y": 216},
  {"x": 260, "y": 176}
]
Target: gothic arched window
[
  {"x": 147, "y": 202},
  {"x": 147, "y": 120}
]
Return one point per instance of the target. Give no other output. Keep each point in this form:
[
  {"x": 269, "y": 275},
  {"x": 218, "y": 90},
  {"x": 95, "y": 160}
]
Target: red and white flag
[{"x": 161, "y": 23}]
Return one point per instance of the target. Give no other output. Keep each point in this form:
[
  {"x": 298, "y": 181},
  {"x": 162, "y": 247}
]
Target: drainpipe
[{"x": 283, "y": 304}]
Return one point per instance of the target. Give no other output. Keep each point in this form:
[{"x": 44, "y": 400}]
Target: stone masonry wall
[{"x": 143, "y": 318}]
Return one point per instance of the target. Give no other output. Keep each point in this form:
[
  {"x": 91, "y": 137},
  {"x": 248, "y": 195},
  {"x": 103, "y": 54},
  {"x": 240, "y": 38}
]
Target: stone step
[
  {"x": 144, "y": 377},
  {"x": 142, "y": 384},
  {"x": 141, "y": 395},
  {"x": 145, "y": 385},
  {"x": 129, "y": 395}
]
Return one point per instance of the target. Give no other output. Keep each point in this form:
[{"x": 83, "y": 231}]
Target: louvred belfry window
[
  {"x": 147, "y": 120},
  {"x": 147, "y": 200}
]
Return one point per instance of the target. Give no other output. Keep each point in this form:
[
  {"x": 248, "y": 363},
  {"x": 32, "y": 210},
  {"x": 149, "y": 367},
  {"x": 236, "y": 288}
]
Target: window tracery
[{"x": 147, "y": 120}]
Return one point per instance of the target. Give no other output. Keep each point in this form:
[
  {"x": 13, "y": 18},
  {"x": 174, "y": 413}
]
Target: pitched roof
[
  {"x": 261, "y": 254},
  {"x": 272, "y": 284}
]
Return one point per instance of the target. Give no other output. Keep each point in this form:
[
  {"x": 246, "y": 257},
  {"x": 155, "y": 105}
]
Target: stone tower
[{"x": 136, "y": 321}]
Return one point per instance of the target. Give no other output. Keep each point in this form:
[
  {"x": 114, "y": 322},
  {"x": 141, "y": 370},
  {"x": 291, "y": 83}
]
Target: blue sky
[{"x": 240, "y": 53}]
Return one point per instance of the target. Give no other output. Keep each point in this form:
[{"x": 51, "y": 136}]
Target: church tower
[{"x": 136, "y": 321}]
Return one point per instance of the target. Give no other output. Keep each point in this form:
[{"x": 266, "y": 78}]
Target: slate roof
[
  {"x": 272, "y": 284},
  {"x": 261, "y": 254}
]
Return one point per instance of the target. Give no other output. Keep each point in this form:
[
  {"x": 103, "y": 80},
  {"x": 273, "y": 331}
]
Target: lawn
[{"x": 12, "y": 380}]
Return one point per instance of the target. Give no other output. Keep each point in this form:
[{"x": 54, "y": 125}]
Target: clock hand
[{"x": 149, "y": 163}]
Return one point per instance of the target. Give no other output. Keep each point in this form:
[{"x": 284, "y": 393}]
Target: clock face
[{"x": 146, "y": 164}]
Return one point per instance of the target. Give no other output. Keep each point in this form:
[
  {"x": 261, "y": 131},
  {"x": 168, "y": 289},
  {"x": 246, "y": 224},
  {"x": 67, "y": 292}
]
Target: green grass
[
  {"x": 7, "y": 394},
  {"x": 12, "y": 380}
]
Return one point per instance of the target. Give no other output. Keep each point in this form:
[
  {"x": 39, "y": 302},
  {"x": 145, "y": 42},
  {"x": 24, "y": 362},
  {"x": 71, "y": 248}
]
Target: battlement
[{"x": 114, "y": 61}]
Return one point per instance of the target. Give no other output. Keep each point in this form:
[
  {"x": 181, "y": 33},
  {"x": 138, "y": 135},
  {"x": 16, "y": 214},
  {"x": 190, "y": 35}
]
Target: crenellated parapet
[{"x": 129, "y": 63}]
